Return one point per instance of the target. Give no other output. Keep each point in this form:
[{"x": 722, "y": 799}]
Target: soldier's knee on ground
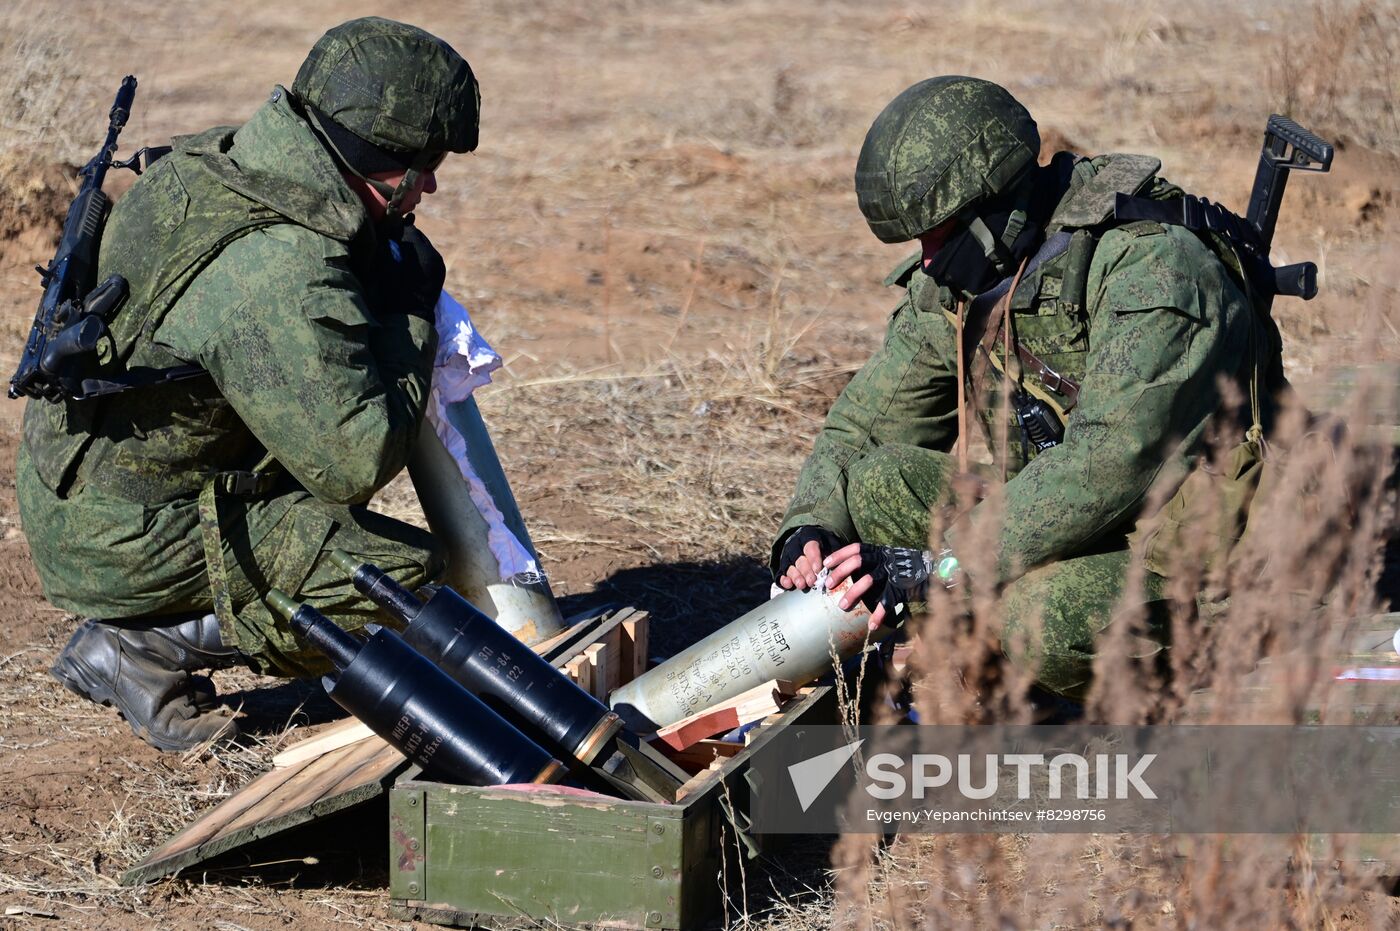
[
  {"x": 1041, "y": 638},
  {"x": 890, "y": 492}
]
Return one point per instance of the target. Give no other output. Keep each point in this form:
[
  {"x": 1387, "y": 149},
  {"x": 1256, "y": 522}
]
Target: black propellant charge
[
  {"x": 483, "y": 656},
  {"x": 420, "y": 710}
]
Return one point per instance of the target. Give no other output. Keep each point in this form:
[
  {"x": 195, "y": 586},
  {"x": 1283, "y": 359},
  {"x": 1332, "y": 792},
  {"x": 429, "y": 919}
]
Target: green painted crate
[{"x": 464, "y": 855}]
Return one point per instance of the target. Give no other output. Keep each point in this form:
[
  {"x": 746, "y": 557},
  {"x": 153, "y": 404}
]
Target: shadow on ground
[
  {"x": 346, "y": 850},
  {"x": 271, "y": 709},
  {"x": 686, "y": 600}
]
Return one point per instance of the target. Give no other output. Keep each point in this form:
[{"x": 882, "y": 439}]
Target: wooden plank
[
  {"x": 333, "y": 737},
  {"x": 588, "y": 633},
  {"x": 581, "y": 672},
  {"x": 697, "y": 781},
  {"x": 212, "y": 823},
  {"x": 310, "y": 784},
  {"x": 632, "y": 658},
  {"x": 613, "y": 641},
  {"x": 755, "y": 704},
  {"x": 378, "y": 759},
  {"x": 600, "y": 669},
  {"x": 213, "y": 834},
  {"x": 700, "y": 755},
  {"x": 816, "y": 707},
  {"x": 569, "y": 633}
]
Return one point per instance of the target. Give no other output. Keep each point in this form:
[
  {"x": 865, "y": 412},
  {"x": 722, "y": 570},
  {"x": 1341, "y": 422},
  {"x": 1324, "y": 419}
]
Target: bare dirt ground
[{"x": 659, "y": 234}]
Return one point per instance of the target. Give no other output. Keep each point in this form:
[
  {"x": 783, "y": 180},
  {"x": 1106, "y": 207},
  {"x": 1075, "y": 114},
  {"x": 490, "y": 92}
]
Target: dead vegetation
[
  {"x": 1356, "y": 91},
  {"x": 1302, "y": 584},
  {"x": 659, "y": 235}
]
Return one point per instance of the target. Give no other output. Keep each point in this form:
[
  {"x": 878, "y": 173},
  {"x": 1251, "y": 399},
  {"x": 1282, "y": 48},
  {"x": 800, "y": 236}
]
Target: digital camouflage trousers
[
  {"x": 108, "y": 557},
  {"x": 305, "y": 535},
  {"x": 1052, "y": 615}
]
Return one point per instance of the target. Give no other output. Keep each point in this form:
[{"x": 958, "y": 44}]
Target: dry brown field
[{"x": 659, "y": 234}]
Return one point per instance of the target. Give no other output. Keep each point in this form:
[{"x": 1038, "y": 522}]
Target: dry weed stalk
[
  {"x": 1299, "y": 583},
  {"x": 1340, "y": 71}
]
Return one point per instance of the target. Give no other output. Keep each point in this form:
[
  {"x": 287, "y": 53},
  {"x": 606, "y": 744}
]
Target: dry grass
[
  {"x": 43, "y": 113},
  {"x": 659, "y": 235},
  {"x": 1340, "y": 67},
  {"x": 1301, "y": 585}
]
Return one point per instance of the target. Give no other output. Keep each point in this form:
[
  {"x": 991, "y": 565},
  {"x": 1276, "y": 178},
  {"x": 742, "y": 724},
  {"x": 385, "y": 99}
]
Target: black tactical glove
[
  {"x": 412, "y": 274},
  {"x": 900, "y": 575},
  {"x": 799, "y": 538}
]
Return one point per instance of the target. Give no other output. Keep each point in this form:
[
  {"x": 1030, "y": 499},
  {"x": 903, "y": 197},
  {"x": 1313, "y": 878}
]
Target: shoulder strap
[
  {"x": 1090, "y": 202},
  {"x": 983, "y": 326},
  {"x": 1194, "y": 213}
]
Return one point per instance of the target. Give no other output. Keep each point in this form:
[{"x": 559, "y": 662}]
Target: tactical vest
[{"x": 1049, "y": 305}]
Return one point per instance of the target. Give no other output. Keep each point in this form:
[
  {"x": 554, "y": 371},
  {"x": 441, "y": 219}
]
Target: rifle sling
[
  {"x": 1193, "y": 213},
  {"x": 983, "y": 327}
]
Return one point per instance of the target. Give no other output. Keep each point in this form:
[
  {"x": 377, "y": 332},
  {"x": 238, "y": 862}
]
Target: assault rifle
[
  {"x": 70, "y": 337},
  {"x": 72, "y": 315},
  {"x": 1287, "y": 147}
]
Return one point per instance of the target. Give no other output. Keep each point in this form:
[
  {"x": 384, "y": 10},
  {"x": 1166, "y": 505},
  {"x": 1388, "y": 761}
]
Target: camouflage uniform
[
  {"x": 306, "y": 363},
  {"x": 250, "y": 256},
  {"x": 1147, "y": 318}
]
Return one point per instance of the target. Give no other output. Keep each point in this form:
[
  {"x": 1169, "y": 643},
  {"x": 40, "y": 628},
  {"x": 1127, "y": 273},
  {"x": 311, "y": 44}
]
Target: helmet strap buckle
[{"x": 394, "y": 198}]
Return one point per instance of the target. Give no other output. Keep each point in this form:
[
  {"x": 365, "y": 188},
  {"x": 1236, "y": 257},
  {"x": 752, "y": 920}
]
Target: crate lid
[{"x": 342, "y": 767}]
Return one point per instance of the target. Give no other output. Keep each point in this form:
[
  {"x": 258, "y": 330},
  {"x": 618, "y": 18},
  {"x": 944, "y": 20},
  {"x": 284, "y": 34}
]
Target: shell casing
[
  {"x": 476, "y": 652},
  {"x": 426, "y": 716},
  {"x": 790, "y": 637},
  {"x": 553, "y": 772},
  {"x": 588, "y": 748}
]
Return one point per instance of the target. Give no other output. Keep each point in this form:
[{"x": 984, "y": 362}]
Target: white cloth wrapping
[{"x": 464, "y": 362}]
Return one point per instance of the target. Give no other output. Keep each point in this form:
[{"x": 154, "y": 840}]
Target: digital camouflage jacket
[
  {"x": 1145, "y": 317},
  {"x": 248, "y": 255}
]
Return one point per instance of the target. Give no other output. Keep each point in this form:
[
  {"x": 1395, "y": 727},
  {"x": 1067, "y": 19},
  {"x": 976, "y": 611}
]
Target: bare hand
[{"x": 845, "y": 564}]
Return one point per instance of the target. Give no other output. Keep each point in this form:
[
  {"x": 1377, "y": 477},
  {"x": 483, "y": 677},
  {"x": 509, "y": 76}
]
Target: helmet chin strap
[
  {"x": 998, "y": 249},
  {"x": 393, "y": 196},
  {"x": 991, "y": 240}
]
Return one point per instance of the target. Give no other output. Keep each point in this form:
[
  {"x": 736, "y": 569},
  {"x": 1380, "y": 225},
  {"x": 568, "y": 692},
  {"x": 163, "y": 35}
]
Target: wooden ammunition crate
[
  {"x": 467, "y": 855},
  {"x": 463, "y": 855}
]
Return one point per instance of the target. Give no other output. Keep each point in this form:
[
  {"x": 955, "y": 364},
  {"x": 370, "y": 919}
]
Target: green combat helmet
[
  {"x": 386, "y": 95},
  {"x": 949, "y": 147}
]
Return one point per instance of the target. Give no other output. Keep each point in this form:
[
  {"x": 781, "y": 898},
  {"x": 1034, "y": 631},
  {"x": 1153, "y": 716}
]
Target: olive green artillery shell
[{"x": 248, "y": 255}]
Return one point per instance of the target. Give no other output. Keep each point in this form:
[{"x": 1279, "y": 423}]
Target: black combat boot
[{"x": 142, "y": 668}]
